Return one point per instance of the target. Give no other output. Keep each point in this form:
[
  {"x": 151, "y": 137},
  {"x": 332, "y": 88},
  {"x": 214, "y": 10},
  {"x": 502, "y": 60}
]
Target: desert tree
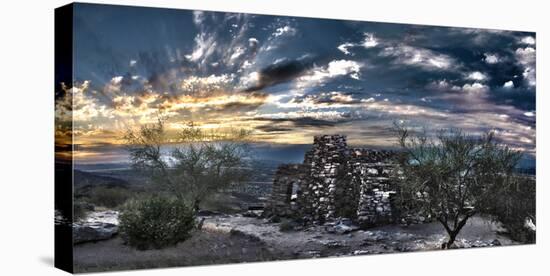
[
  {"x": 516, "y": 208},
  {"x": 198, "y": 164},
  {"x": 452, "y": 175}
]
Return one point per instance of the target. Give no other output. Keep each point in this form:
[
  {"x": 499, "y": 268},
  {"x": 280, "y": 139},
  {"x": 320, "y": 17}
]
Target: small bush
[{"x": 156, "y": 222}]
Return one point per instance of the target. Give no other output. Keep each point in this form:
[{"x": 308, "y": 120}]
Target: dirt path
[
  {"x": 316, "y": 242},
  {"x": 234, "y": 239}
]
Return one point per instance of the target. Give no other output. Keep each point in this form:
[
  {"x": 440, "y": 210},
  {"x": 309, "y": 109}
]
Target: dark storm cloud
[
  {"x": 273, "y": 128},
  {"x": 237, "y": 107},
  {"x": 280, "y": 72},
  {"x": 301, "y": 122}
]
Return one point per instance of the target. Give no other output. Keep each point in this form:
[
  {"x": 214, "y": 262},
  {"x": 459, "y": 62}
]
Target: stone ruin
[{"x": 336, "y": 181}]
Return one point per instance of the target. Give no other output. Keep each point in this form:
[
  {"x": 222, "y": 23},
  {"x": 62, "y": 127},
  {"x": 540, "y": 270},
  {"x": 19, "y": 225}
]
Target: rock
[
  {"x": 496, "y": 242},
  {"x": 97, "y": 232},
  {"x": 360, "y": 252},
  {"x": 342, "y": 226},
  {"x": 332, "y": 244},
  {"x": 309, "y": 254},
  {"x": 252, "y": 214},
  {"x": 95, "y": 227},
  {"x": 207, "y": 213},
  {"x": 344, "y": 229}
]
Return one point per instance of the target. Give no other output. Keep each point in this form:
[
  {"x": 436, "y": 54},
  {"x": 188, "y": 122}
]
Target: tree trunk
[
  {"x": 454, "y": 232},
  {"x": 451, "y": 241},
  {"x": 196, "y": 205}
]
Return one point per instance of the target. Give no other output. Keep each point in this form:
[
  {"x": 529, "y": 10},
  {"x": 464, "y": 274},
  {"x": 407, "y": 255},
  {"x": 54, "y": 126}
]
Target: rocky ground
[
  {"x": 339, "y": 239},
  {"x": 238, "y": 238}
]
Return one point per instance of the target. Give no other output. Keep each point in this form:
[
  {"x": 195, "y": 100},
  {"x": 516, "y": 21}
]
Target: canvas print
[{"x": 190, "y": 138}]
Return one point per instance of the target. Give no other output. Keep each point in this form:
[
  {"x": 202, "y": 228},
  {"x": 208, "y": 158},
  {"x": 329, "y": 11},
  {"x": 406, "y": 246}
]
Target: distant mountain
[
  {"x": 102, "y": 166},
  {"x": 84, "y": 179}
]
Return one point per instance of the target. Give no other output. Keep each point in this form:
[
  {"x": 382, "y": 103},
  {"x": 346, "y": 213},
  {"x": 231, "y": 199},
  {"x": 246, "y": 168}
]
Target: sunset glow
[{"x": 286, "y": 81}]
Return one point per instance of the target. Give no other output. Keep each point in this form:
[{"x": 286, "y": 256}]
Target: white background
[{"x": 26, "y": 133}]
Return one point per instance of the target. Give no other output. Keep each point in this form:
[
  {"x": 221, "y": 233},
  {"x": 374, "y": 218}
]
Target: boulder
[
  {"x": 342, "y": 226},
  {"x": 95, "y": 227}
]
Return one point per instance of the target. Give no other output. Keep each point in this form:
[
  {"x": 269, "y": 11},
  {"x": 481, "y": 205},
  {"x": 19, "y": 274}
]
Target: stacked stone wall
[
  {"x": 337, "y": 181},
  {"x": 327, "y": 156},
  {"x": 289, "y": 177}
]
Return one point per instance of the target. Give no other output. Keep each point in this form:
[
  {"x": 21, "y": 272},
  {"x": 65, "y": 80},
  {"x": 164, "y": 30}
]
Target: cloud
[
  {"x": 239, "y": 51},
  {"x": 419, "y": 57},
  {"x": 344, "y": 48},
  {"x": 475, "y": 87},
  {"x": 142, "y": 107},
  {"x": 529, "y": 75},
  {"x": 477, "y": 76},
  {"x": 285, "y": 30},
  {"x": 306, "y": 118},
  {"x": 204, "y": 86},
  {"x": 491, "y": 58},
  {"x": 508, "y": 85},
  {"x": 198, "y": 17},
  {"x": 443, "y": 85},
  {"x": 214, "y": 46},
  {"x": 274, "y": 127},
  {"x": 370, "y": 41},
  {"x": 253, "y": 42},
  {"x": 292, "y": 123},
  {"x": 205, "y": 45},
  {"x": 78, "y": 105},
  {"x": 354, "y": 82},
  {"x": 529, "y": 40},
  {"x": 319, "y": 100},
  {"x": 335, "y": 68},
  {"x": 526, "y": 57},
  {"x": 279, "y": 72},
  {"x": 228, "y": 105}
]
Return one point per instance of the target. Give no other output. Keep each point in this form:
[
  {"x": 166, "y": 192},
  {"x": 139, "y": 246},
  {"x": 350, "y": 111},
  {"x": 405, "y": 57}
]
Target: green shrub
[
  {"x": 156, "y": 222},
  {"x": 109, "y": 197}
]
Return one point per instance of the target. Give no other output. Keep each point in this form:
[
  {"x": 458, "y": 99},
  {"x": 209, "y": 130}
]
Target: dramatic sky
[{"x": 291, "y": 78}]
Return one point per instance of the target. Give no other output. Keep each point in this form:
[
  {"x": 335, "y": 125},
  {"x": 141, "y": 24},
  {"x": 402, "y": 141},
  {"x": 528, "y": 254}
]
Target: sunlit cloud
[
  {"x": 78, "y": 105},
  {"x": 335, "y": 68}
]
